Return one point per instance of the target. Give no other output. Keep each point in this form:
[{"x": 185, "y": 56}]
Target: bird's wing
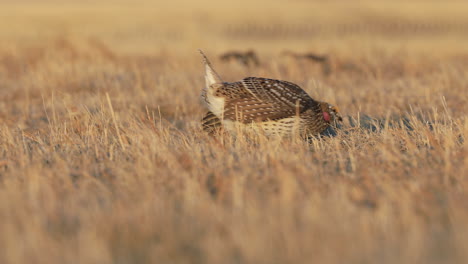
[{"x": 261, "y": 99}]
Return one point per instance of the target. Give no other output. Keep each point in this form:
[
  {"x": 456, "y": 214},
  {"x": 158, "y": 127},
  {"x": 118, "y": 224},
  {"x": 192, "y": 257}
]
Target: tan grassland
[{"x": 102, "y": 158}]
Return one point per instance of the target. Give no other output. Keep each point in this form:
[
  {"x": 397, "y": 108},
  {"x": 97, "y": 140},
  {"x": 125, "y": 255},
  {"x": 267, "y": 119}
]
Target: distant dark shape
[
  {"x": 247, "y": 58},
  {"x": 309, "y": 56},
  {"x": 323, "y": 60}
]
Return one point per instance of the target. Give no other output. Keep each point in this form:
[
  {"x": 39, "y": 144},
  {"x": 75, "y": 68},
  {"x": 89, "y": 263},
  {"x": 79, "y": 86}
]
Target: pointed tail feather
[{"x": 211, "y": 77}]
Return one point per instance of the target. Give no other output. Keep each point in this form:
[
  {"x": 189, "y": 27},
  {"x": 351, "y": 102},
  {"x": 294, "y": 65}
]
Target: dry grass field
[{"x": 102, "y": 157}]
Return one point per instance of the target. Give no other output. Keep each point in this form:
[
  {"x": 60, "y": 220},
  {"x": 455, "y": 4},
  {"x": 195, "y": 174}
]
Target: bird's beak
[{"x": 338, "y": 116}]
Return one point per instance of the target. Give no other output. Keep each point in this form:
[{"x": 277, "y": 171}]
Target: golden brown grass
[{"x": 102, "y": 159}]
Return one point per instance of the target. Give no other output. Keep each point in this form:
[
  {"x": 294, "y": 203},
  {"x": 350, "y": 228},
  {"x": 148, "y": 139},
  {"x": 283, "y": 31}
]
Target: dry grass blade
[{"x": 114, "y": 120}]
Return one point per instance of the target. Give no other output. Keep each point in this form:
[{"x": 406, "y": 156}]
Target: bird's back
[{"x": 261, "y": 99}]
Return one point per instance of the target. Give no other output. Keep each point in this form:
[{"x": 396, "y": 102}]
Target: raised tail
[{"x": 211, "y": 77}]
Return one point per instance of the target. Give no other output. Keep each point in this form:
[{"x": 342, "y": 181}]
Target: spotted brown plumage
[{"x": 276, "y": 107}]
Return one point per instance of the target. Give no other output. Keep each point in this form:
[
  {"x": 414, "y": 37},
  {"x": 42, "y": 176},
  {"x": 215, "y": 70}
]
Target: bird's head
[{"x": 330, "y": 112}]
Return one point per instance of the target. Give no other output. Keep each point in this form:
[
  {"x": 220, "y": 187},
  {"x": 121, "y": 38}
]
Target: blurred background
[
  {"x": 181, "y": 25},
  {"x": 343, "y": 44}
]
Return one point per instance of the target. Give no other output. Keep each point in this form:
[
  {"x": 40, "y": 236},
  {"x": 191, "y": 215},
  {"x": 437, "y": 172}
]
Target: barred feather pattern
[{"x": 211, "y": 123}]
